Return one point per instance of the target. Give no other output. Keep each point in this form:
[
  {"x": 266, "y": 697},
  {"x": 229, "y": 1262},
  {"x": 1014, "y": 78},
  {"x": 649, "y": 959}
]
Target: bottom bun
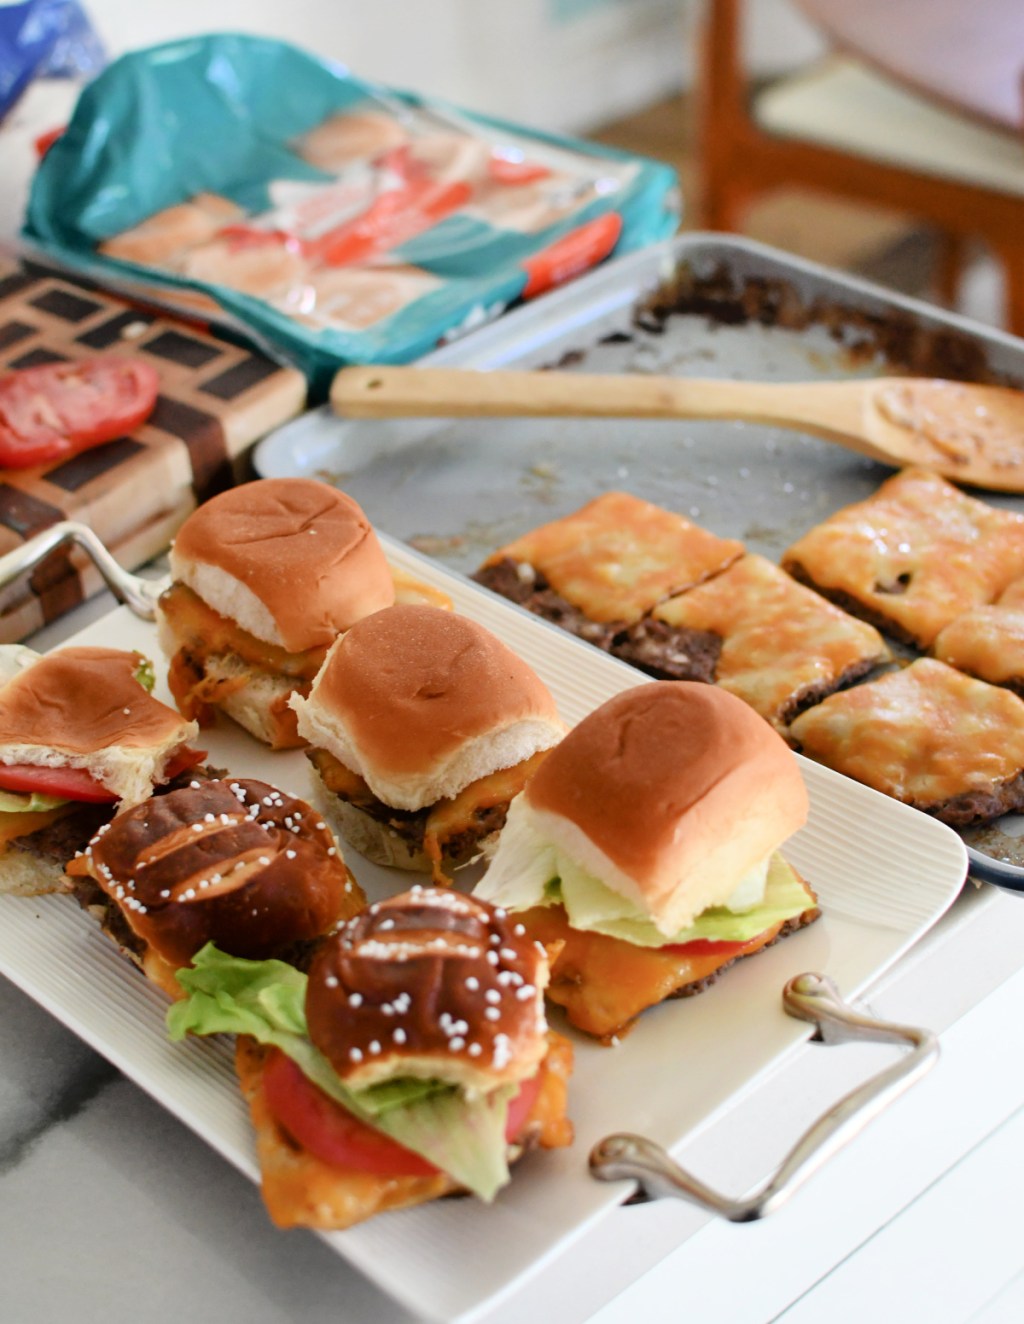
[
  {"x": 300, "y": 1190},
  {"x": 260, "y": 704},
  {"x": 25, "y": 874}
]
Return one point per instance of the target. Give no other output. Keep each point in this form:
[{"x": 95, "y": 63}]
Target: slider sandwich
[
  {"x": 80, "y": 735},
  {"x": 265, "y": 577},
  {"x": 422, "y": 726},
  {"x": 235, "y": 862},
  {"x": 648, "y": 846},
  {"x": 412, "y": 1062}
]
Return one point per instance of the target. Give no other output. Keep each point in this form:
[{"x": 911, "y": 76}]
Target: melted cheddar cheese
[
  {"x": 444, "y": 821},
  {"x": 21, "y": 824},
  {"x": 915, "y": 555},
  {"x": 923, "y": 735},
  {"x": 604, "y": 983},
  {"x": 408, "y": 589},
  {"x": 779, "y": 639},
  {"x": 203, "y": 632},
  {"x": 987, "y": 642},
  {"x": 302, "y": 1191},
  {"x": 618, "y": 556}
]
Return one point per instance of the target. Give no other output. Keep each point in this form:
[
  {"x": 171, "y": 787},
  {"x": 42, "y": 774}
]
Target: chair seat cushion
[{"x": 842, "y": 104}]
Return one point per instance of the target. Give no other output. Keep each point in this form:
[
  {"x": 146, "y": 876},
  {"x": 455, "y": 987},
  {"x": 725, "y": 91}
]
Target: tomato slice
[
  {"x": 707, "y": 947},
  {"x": 55, "y": 410},
  {"x": 330, "y": 1133},
  {"x": 65, "y": 783},
  {"x": 181, "y": 762}
]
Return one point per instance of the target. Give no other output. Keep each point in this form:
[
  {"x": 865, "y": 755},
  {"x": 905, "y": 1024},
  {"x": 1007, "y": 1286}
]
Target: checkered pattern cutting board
[{"x": 216, "y": 398}]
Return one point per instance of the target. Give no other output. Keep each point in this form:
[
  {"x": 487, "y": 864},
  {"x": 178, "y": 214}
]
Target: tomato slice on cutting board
[
  {"x": 54, "y": 410},
  {"x": 332, "y": 1134}
]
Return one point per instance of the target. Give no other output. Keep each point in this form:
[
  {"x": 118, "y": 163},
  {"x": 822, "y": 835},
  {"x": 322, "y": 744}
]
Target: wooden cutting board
[{"x": 216, "y": 399}]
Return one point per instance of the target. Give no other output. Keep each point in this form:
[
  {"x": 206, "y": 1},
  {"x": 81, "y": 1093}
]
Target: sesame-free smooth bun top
[
  {"x": 421, "y": 702},
  {"x": 86, "y": 708},
  {"x": 670, "y": 793},
  {"x": 292, "y": 560},
  {"x": 432, "y": 984}
]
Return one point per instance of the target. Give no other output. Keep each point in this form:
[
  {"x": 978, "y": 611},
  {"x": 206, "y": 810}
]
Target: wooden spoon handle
[{"x": 393, "y": 392}]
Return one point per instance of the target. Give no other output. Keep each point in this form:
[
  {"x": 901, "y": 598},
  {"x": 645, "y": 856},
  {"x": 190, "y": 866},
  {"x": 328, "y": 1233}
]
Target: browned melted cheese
[
  {"x": 987, "y": 642},
  {"x": 21, "y": 824},
  {"x": 302, "y": 1191},
  {"x": 408, "y": 589},
  {"x": 447, "y": 819},
  {"x": 203, "y": 632},
  {"x": 952, "y": 423},
  {"x": 916, "y": 554},
  {"x": 618, "y": 556},
  {"x": 604, "y": 983},
  {"x": 923, "y": 735},
  {"x": 779, "y": 638}
]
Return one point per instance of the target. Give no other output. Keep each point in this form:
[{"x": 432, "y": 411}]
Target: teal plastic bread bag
[{"x": 331, "y": 220}]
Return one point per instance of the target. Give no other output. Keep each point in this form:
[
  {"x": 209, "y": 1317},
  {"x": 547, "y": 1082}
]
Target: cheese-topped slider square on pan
[
  {"x": 80, "y": 734},
  {"x": 236, "y": 862},
  {"x": 265, "y": 578},
  {"x": 647, "y": 845},
  {"x": 415, "y": 1060},
  {"x": 422, "y": 726}
]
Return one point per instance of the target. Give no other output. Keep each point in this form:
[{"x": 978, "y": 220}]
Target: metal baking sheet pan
[{"x": 699, "y": 306}]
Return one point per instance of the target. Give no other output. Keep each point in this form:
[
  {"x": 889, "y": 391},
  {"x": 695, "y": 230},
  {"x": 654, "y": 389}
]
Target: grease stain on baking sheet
[
  {"x": 1001, "y": 840},
  {"x": 541, "y": 480}
]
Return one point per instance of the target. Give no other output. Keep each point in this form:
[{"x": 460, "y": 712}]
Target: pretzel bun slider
[
  {"x": 647, "y": 844},
  {"x": 422, "y": 726},
  {"x": 412, "y": 1062},
  {"x": 236, "y": 862},
  {"x": 80, "y": 734},
  {"x": 265, "y": 576}
]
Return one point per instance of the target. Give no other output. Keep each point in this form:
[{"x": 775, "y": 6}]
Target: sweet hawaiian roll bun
[
  {"x": 265, "y": 577},
  {"x": 410, "y": 988},
  {"x": 86, "y": 708},
  {"x": 669, "y": 794},
  {"x": 79, "y": 732},
  {"x": 644, "y": 852},
  {"x": 235, "y": 862},
  {"x": 421, "y": 704},
  {"x": 292, "y": 560}
]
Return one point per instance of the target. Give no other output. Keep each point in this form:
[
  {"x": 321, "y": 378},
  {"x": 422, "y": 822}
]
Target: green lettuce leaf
[
  {"x": 144, "y": 673},
  {"x": 463, "y": 1136},
  {"x": 16, "y": 802},
  {"x": 607, "y": 912}
]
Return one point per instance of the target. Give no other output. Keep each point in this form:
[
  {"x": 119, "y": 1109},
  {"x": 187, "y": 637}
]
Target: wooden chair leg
[
  {"x": 1013, "y": 277},
  {"x": 950, "y": 261}
]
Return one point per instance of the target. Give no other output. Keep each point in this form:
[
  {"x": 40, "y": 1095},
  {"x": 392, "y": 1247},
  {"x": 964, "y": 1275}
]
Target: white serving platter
[{"x": 884, "y": 874}]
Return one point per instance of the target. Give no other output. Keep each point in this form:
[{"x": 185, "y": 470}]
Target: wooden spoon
[{"x": 972, "y": 434}]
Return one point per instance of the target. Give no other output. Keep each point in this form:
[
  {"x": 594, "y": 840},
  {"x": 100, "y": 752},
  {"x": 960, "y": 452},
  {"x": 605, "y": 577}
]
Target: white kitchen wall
[{"x": 564, "y": 65}]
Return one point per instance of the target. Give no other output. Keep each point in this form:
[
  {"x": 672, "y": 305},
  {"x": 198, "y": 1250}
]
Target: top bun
[
  {"x": 291, "y": 560},
  {"x": 431, "y": 984},
  {"x": 85, "y": 708},
  {"x": 236, "y": 862},
  {"x": 421, "y": 702},
  {"x": 670, "y": 793}
]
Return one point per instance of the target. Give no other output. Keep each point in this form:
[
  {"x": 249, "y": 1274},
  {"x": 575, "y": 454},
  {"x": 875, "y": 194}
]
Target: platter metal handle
[
  {"x": 138, "y": 594},
  {"x": 807, "y": 997}
]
